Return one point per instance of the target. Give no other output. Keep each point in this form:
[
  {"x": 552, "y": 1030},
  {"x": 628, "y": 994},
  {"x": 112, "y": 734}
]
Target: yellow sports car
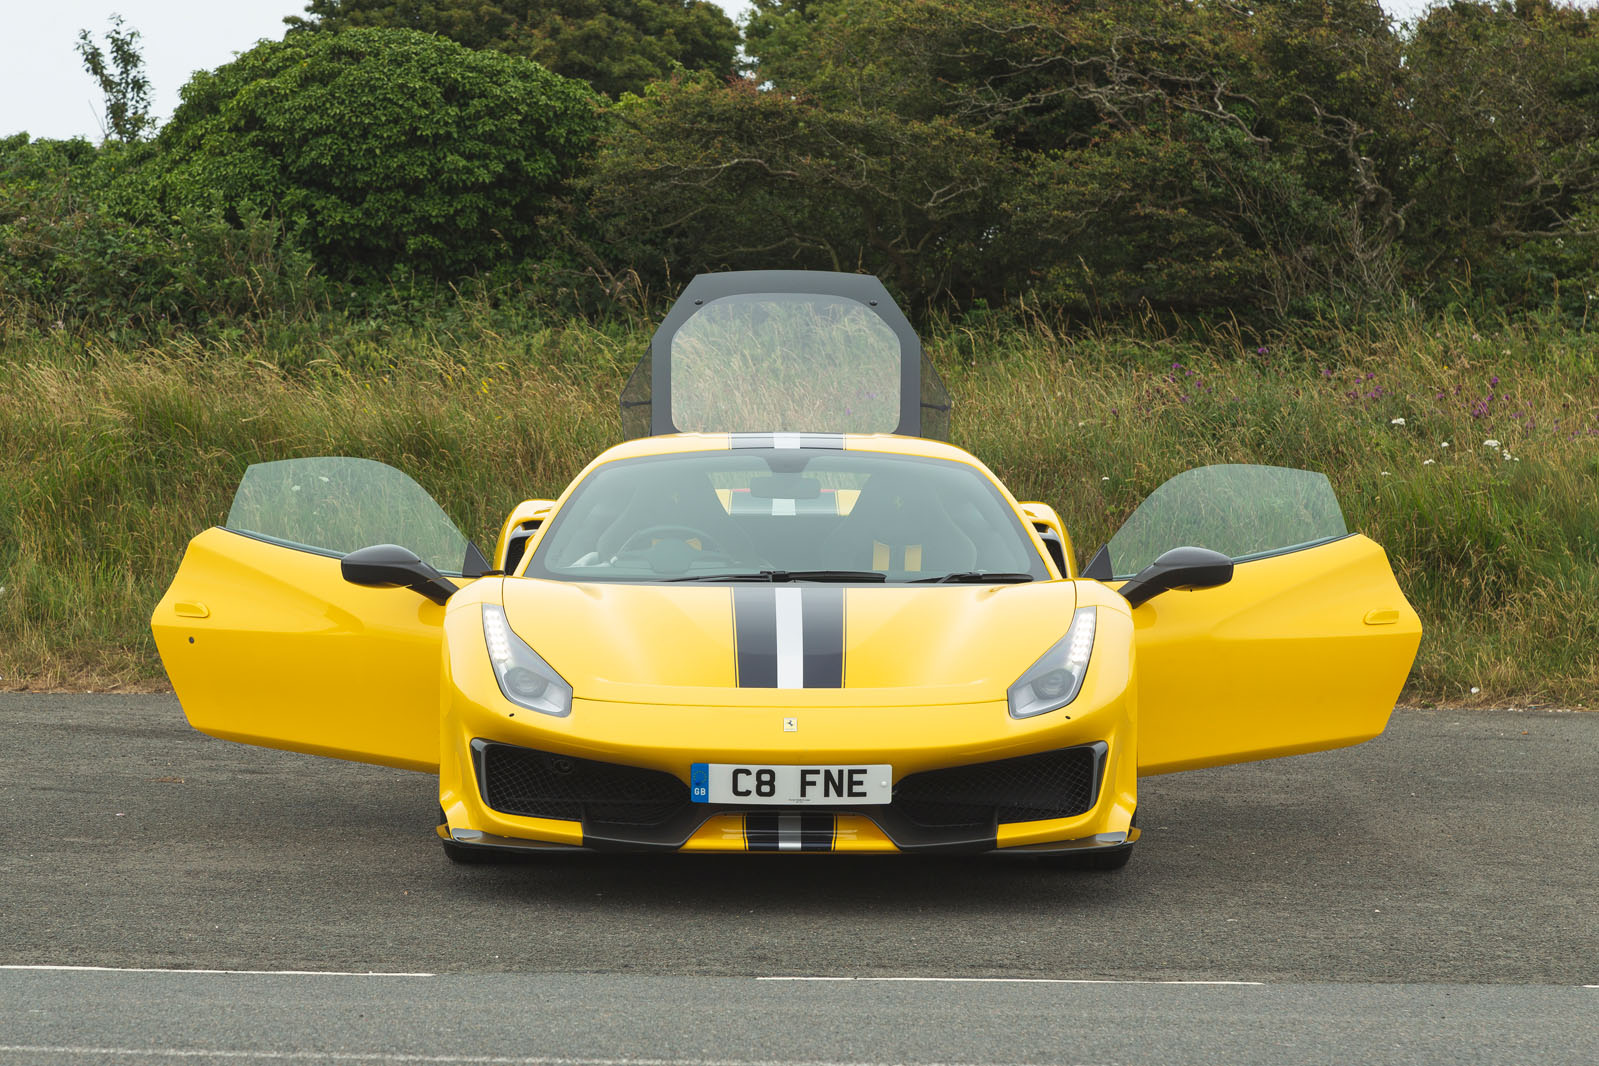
[{"x": 784, "y": 616}]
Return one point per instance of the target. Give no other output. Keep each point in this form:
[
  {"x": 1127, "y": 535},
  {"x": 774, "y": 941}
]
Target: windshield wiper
[
  {"x": 790, "y": 575},
  {"x": 976, "y": 577}
]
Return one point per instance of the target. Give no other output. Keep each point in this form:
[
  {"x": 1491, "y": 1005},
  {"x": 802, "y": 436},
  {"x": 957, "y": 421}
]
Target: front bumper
[
  {"x": 955, "y": 809},
  {"x": 1092, "y": 803},
  {"x": 782, "y": 727}
]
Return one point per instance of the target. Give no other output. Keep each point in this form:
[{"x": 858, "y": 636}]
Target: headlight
[
  {"x": 1054, "y": 680},
  {"x": 525, "y": 679}
]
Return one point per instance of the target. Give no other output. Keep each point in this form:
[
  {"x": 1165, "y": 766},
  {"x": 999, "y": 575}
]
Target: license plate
[{"x": 718, "y": 782}]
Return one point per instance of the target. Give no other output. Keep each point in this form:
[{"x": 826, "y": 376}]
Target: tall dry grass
[{"x": 112, "y": 456}]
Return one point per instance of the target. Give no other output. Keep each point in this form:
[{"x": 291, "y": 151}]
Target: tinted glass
[
  {"x": 753, "y": 509},
  {"x": 785, "y": 361},
  {"x": 1241, "y": 511},
  {"x": 333, "y": 505}
]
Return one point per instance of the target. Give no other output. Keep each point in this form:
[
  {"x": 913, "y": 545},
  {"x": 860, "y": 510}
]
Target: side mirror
[
  {"x": 391, "y": 566},
  {"x": 1180, "y": 568}
]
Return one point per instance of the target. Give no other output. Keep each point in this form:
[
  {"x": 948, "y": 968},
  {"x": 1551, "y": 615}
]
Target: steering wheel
[{"x": 708, "y": 543}]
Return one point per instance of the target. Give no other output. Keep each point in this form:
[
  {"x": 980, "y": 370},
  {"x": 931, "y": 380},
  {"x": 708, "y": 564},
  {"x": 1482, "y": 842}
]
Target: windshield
[{"x": 782, "y": 514}]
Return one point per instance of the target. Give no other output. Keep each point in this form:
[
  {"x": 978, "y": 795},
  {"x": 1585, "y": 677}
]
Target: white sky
[{"x": 45, "y": 91}]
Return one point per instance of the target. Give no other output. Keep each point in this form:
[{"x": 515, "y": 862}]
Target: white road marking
[
  {"x": 790, "y": 638},
  {"x": 398, "y": 1056},
  {"x": 1020, "y": 980},
  {"x": 256, "y": 973}
]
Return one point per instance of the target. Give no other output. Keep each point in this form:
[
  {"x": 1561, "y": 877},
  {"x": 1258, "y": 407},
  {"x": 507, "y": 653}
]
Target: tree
[
  {"x": 616, "y": 46},
  {"x": 122, "y": 80},
  {"x": 1128, "y": 144},
  {"x": 382, "y": 148},
  {"x": 701, "y": 175},
  {"x": 1503, "y": 176}
]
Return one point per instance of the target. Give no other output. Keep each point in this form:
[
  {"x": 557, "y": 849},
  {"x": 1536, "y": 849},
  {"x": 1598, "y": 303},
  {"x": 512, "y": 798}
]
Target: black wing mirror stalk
[
  {"x": 391, "y": 566},
  {"x": 1181, "y": 568}
]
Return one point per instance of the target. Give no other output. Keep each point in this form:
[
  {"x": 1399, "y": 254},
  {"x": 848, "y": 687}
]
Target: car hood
[{"x": 796, "y": 644}]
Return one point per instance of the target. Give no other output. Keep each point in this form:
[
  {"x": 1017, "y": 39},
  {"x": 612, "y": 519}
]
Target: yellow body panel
[
  {"x": 287, "y": 654},
  {"x": 1280, "y": 660}
]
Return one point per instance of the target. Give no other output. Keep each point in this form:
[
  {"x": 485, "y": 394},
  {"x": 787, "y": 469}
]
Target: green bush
[
  {"x": 381, "y": 148},
  {"x": 80, "y": 243}
]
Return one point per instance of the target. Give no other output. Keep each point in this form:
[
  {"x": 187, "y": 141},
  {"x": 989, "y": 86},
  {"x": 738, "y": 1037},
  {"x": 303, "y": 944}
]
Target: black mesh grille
[
  {"x": 538, "y": 784},
  {"x": 1055, "y": 784}
]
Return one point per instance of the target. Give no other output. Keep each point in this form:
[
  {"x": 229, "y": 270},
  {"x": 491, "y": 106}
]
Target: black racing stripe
[
  {"x": 817, "y": 832},
  {"x": 822, "y": 622},
  {"x": 822, "y": 440},
  {"x": 755, "y": 636},
  {"x": 750, "y": 440},
  {"x": 760, "y": 832}
]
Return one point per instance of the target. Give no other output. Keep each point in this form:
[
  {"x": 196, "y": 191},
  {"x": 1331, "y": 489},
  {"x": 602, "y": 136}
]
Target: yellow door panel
[
  {"x": 270, "y": 645},
  {"x": 1299, "y": 652}
]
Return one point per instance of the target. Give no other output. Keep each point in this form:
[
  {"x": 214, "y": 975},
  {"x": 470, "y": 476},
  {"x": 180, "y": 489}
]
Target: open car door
[
  {"x": 266, "y": 643},
  {"x": 1306, "y": 648}
]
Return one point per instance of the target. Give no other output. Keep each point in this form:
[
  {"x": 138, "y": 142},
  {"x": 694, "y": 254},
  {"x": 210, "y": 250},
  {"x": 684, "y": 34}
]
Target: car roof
[{"x": 684, "y": 443}]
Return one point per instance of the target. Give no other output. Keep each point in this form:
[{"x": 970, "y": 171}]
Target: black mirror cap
[
  {"x": 1180, "y": 568},
  {"x": 391, "y": 566}
]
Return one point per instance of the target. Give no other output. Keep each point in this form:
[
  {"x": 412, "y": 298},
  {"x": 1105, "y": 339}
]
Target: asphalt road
[
  {"x": 1374, "y": 893},
  {"x": 608, "y": 1020}
]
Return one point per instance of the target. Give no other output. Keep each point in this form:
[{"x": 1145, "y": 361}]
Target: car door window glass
[
  {"x": 332, "y": 505},
  {"x": 1245, "y": 512}
]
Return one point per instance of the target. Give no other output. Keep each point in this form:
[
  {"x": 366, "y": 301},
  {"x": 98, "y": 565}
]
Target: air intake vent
[
  {"x": 1054, "y": 784},
  {"x": 539, "y": 784}
]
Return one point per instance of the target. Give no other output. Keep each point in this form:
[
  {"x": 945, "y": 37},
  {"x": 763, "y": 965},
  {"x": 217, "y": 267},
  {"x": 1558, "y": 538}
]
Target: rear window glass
[{"x": 799, "y": 361}]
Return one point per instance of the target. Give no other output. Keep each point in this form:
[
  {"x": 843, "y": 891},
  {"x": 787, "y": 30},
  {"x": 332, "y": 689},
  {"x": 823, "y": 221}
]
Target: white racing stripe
[
  {"x": 790, "y": 638},
  {"x": 253, "y": 973},
  {"x": 249, "y": 1055},
  {"x": 1022, "y": 980},
  {"x": 788, "y": 832}
]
